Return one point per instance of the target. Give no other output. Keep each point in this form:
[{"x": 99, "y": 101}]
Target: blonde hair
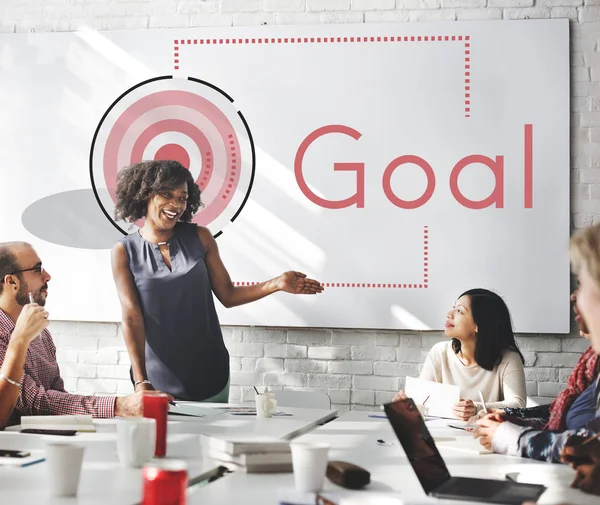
[{"x": 584, "y": 249}]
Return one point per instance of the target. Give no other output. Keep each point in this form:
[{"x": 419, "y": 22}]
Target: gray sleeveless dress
[{"x": 185, "y": 353}]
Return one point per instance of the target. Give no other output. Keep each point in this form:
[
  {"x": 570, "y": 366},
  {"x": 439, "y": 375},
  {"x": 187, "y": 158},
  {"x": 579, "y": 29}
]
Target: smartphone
[
  {"x": 7, "y": 453},
  {"x": 64, "y": 433}
]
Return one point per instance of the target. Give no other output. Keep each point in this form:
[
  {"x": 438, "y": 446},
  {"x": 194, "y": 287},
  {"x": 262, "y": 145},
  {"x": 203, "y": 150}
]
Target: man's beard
[{"x": 22, "y": 297}]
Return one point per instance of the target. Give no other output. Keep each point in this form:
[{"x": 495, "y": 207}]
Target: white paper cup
[
  {"x": 136, "y": 439},
  {"x": 265, "y": 405},
  {"x": 310, "y": 464},
  {"x": 64, "y": 468}
]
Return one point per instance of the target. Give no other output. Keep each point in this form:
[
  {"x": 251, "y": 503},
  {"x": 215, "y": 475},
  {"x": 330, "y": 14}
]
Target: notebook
[
  {"x": 260, "y": 462},
  {"x": 193, "y": 410},
  {"x": 249, "y": 459},
  {"x": 84, "y": 423},
  {"x": 264, "y": 468},
  {"x": 242, "y": 444}
]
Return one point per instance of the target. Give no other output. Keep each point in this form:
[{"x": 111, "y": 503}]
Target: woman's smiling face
[{"x": 166, "y": 207}]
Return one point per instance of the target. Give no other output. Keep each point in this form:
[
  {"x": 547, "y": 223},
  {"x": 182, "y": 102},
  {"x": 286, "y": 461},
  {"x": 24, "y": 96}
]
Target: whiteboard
[{"x": 399, "y": 164}]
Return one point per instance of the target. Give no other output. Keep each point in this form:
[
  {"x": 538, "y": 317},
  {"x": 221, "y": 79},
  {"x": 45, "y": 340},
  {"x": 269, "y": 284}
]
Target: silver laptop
[{"x": 432, "y": 472}]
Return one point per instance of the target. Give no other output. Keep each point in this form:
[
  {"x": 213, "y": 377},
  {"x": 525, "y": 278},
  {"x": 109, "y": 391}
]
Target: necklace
[{"x": 166, "y": 242}]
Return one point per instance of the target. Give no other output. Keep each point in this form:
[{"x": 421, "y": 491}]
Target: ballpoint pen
[{"x": 483, "y": 402}]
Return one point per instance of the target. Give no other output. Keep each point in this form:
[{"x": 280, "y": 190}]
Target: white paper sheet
[
  {"x": 465, "y": 444},
  {"x": 442, "y": 397}
]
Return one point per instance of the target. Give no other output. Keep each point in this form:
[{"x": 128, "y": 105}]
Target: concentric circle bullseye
[
  {"x": 173, "y": 152},
  {"x": 186, "y": 120}
]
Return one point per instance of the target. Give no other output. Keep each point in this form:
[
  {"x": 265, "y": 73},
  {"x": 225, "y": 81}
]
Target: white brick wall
[
  {"x": 355, "y": 376},
  {"x": 356, "y": 368}
]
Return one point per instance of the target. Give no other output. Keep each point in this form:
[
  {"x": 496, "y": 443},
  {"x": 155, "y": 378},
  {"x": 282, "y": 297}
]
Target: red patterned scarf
[{"x": 582, "y": 376}]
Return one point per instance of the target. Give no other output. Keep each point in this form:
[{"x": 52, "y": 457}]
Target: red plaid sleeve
[
  {"x": 36, "y": 400},
  {"x": 42, "y": 390}
]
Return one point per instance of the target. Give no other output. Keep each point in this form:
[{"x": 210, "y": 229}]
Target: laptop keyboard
[{"x": 479, "y": 488}]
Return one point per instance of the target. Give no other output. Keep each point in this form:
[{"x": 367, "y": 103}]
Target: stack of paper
[
  {"x": 250, "y": 453},
  {"x": 71, "y": 423}
]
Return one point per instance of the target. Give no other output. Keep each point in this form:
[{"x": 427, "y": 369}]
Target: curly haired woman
[{"x": 166, "y": 274}]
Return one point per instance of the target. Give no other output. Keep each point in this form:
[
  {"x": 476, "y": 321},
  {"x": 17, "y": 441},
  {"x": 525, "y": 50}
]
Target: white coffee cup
[
  {"x": 310, "y": 464},
  {"x": 136, "y": 440},
  {"x": 64, "y": 468},
  {"x": 265, "y": 405}
]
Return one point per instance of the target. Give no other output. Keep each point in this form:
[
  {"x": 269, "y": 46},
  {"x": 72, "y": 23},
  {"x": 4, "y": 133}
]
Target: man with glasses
[{"x": 32, "y": 379}]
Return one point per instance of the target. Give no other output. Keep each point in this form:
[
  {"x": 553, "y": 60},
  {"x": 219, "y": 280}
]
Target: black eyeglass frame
[{"x": 36, "y": 268}]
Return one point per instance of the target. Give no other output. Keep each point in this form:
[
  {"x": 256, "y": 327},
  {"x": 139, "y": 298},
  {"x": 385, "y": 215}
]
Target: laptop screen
[{"x": 418, "y": 444}]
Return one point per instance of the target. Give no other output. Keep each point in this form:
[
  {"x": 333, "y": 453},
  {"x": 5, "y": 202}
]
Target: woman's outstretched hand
[{"x": 298, "y": 284}]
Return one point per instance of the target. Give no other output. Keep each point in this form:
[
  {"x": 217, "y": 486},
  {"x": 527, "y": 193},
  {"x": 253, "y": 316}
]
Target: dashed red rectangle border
[
  {"x": 465, "y": 39},
  {"x": 423, "y": 284}
]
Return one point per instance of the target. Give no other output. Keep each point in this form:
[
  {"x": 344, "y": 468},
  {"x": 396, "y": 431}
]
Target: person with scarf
[
  {"x": 578, "y": 447},
  {"x": 571, "y": 410},
  {"x": 574, "y": 405}
]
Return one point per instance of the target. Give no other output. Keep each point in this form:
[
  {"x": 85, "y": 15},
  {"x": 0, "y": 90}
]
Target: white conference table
[
  {"x": 105, "y": 482},
  {"x": 353, "y": 438}
]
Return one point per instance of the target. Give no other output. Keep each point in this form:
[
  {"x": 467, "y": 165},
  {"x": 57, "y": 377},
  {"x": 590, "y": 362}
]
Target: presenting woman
[
  {"x": 482, "y": 355},
  {"x": 165, "y": 275}
]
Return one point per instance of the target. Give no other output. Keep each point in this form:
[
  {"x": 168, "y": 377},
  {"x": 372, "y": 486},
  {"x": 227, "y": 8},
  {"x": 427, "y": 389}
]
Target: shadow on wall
[{"x": 71, "y": 219}]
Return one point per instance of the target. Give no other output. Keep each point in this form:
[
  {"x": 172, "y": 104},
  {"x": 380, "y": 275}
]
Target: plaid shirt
[{"x": 43, "y": 390}]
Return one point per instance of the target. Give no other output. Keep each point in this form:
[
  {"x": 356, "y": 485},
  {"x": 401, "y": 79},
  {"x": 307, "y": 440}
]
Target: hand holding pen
[
  {"x": 580, "y": 451},
  {"x": 32, "y": 320}
]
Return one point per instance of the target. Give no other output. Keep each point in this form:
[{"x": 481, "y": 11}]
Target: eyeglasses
[{"x": 36, "y": 268}]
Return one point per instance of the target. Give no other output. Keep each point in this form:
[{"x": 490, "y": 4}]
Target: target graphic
[{"x": 187, "y": 120}]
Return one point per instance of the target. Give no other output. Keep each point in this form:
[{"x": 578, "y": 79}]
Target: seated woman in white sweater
[{"x": 482, "y": 355}]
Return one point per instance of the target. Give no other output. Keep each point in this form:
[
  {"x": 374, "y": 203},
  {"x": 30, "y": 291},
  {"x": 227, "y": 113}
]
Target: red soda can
[
  {"x": 165, "y": 483},
  {"x": 156, "y": 406}
]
